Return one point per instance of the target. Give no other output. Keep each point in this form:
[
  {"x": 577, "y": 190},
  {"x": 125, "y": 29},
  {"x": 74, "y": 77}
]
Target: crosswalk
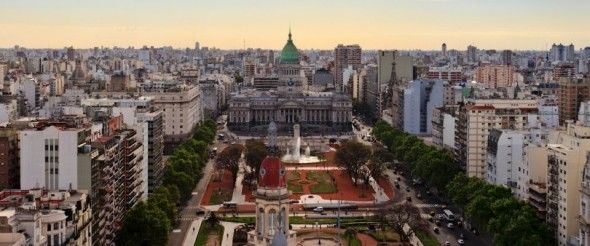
[
  {"x": 425, "y": 205},
  {"x": 189, "y": 218}
]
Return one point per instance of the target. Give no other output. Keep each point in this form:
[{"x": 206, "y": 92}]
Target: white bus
[{"x": 449, "y": 216}]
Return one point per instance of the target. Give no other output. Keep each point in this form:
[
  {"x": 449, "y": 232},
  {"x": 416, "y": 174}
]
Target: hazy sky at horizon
[{"x": 321, "y": 24}]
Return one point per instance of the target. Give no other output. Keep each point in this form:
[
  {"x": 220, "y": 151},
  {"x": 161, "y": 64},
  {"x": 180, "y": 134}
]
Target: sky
[{"x": 317, "y": 24}]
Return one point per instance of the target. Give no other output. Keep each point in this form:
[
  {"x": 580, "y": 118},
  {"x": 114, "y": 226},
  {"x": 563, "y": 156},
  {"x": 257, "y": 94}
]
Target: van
[{"x": 449, "y": 216}]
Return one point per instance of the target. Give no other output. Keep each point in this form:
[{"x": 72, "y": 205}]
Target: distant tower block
[{"x": 296, "y": 131}]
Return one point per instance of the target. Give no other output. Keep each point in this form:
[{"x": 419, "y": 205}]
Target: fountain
[{"x": 294, "y": 155}]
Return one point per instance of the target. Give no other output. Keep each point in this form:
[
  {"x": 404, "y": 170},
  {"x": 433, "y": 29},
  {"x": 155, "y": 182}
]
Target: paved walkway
[
  {"x": 237, "y": 196},
  {"x": 191, "y": 236},
  {"x": 379, "y": 194},
  {"x": 228, "y": 232}
]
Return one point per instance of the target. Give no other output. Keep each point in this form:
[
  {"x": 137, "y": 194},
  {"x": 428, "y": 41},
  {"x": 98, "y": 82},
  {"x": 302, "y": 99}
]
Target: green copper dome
[{"x": 290, "y": 54}]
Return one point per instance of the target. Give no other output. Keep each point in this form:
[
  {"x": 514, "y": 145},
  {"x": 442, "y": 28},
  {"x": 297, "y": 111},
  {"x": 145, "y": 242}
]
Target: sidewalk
[
  {"x": 191, "y": 236},
  {"x": 237, "y": 196},
  {"x": 228, "y": 232}
]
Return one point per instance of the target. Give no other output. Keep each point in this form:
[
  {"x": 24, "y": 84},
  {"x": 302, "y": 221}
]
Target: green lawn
[
  {"x": 293, "y": 184},
  {"x": 426, "y": 238},
  {"x": 205, "y": 231},
  {"x": 385, "y": 236},
  {"x": 220, "y": 196},
  {"x": 324, "y": 182},
  {"x": 354, "y": 242}
]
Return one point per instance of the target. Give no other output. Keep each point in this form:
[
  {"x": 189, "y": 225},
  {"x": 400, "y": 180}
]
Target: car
[
  {"x": 419, "y": 196},
  {"x": 407, "y": 189},
  {"x": 428, "y": 193},
  {"x": 447, "y": 243},
  {"x": 435, "y": 230},
  {"x": 200, "y": 212},
  {"x": 459, "y": 223},
  {"x": 409, "y": 199},
  {"x": 437, "y": 222},
  {"x": 450, "y": 225},
  {"x": 397, "y": 186},
  {"x": 461, "y": 242},
  {"x": 318, "y": 209},
  {"x": 462, "y": 236},
  {"x": 432, "y": 213}
]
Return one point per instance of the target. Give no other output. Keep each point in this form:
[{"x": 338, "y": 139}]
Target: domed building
[
  {"x": 291, "y": 102},
  {"x": 272, "y": 201}
]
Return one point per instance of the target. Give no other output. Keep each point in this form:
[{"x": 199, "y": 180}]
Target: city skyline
[{"x": 397, "y": 24}]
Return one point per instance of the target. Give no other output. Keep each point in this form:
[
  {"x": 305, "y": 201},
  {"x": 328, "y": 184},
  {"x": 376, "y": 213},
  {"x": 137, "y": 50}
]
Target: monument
[{"x": 294, "y": 154}]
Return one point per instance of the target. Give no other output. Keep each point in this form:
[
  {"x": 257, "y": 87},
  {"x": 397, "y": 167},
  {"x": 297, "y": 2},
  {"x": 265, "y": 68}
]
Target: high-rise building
[
  {"x": 345, "y": 56},
  {"x": 567, "y": 156},
  {"x": 572, "y": 92},
  {"x": 420, "y": 98},
  {"x": 453, "y": 75},
  {"x": 181, "y": 105},
  {"x": 444, "y": 50},
  {"x": 560, "y": 53},
  {"x": 71, "y": 53},
  {"x": 473, "y": 125},
  {"x": 9, "y": 158},
  {"x": 506, "y": 57},
  {"x": 472, "y": 56},
  {"x": 495, "y": 76}
]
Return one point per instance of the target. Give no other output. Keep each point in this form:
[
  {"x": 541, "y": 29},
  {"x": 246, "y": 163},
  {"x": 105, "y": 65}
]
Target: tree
[
  {"x": 398, "y": 216},
  {"x": 144, "y": 225},
  {"x": 352, "y": 155},
  {"x": 229, "y": 158},
  {"x": 255, "y": 152},
  {"x": 182, "y": 181},
  {"x": 379, "y": 160},
  {"x": 162, "y": 199}
]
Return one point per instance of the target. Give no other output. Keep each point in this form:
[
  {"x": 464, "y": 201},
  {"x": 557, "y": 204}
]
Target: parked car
[
  {"x": 318, "y": 209},
  {"x": 409, "y": 199},
  {"x": 450, "y": 226},
  {"x": 461, "y": 242},
  {"x": 447, "y": 243},
  {"x": 436, "y": 230}
]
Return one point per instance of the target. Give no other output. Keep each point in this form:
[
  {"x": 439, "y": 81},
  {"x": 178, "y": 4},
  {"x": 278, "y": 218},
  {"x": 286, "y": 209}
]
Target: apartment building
[
  {"x": 50, "y": 156},
  {"x": 495, "y": 76},
  {"x": 47, "y": 217},
  {"x": 450, "y": 74},
  {"x": 419, "y": 100},
  {"x": 139, "y": 114},
  {"x": 509, "y": 159},
  {"x": 571, "y": 93},
  {"x": 584, "y": 219},
  {"x": 116, "y": 183},
  {"x": 181, "y": 106},
  {"x": 567, "y": 156},
  {"x": 477, "y": 118},
  {"x": 9, "y": 158}
]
